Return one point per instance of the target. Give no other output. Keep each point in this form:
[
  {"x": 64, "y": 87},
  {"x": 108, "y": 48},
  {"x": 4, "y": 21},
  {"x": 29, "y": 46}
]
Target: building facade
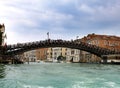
[
  {"x": 30, "y": 56},
  {"x": 2, "y": 34},
  {"x": 73, "y": 54},
  {"x": 67, "y": 53},
  {"x": 41, "y": 54},
  {"x": 54, "y": 53},
  {"x": 49, "y": 54},
  {"x": 105, "y": 41}
]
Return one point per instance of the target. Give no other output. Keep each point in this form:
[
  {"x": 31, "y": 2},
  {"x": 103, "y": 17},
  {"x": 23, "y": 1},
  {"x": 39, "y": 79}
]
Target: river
[{"x": 59, "y": 75}]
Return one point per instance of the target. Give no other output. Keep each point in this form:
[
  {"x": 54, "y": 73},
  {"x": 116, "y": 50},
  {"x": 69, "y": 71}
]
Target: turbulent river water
[{"x": 59, "y": 75}]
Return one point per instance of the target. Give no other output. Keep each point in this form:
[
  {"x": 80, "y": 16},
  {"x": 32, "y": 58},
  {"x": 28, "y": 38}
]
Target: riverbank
[{"x": 17, "y": 61}]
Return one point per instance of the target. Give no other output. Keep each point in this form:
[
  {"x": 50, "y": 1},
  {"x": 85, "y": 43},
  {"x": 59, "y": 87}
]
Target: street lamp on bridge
[
  {"x": 48, "y": 35},
  {"x": 77, "y": 37}
]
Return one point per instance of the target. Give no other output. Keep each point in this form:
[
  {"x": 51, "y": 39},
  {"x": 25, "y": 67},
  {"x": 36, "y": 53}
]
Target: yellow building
[
  {"x": 67, "y": 53},
  {"x": 49, "y": 54},
  {"x": 54, "y": 53}
]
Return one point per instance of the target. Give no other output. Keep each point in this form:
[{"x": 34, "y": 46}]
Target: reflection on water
[{"x": 2, "y": 71}]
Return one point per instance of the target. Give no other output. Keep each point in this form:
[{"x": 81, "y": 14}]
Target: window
[
  {"x": 72, "y": 52},
  {"x": 96, "y": 42},
  {"x": 55, "y": 53},
  {"x": 106, "y": 42},
  {"x": 66, "y": 49},
  {"x": 61, "y": 54},
  {"x": 51, "y": 53},
  {"x": 65, "y": 53}
]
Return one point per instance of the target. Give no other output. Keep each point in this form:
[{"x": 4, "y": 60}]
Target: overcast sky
[{"x": 30, "y": 20}]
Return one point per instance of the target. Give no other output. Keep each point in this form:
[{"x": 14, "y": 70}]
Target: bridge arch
[{"x": 23, "y": 47}]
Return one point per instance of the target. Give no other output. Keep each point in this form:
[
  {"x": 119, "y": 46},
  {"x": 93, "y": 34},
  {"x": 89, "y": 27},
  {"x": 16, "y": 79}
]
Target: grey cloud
[{"x": 73, "y": 17}]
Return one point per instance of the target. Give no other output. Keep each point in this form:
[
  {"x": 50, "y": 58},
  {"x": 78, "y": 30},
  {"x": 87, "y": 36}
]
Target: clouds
[{"x": 30, "y": 20}]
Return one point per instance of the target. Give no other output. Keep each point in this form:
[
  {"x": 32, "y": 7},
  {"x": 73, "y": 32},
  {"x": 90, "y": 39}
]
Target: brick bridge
[{"x": 15, "y": 49}]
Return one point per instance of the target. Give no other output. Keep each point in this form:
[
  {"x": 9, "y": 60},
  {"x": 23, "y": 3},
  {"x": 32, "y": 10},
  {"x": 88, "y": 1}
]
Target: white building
[
  {"x": 30, "y": 56},
  {"x": 73, "y": 54},
  {"x": 57, "y": 51}
]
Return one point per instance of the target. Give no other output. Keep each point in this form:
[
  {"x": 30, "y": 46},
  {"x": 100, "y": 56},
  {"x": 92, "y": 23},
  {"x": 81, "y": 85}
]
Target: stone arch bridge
[{"x": 18, "y": 48}]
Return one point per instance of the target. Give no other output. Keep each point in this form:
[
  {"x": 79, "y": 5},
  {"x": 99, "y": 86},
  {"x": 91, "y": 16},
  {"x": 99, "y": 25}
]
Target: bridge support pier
[
  {"x": 3, "y": 59},
  {"x": 9, "y": 60}
]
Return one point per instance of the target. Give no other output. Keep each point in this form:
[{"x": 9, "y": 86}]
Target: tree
[{"x": 61, "y": 58}]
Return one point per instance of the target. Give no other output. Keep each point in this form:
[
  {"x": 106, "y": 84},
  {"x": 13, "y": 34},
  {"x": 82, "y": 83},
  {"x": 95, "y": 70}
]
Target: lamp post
[
  {"x": 77, "y": 37},
  {"x": 48, "y": 35}
]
